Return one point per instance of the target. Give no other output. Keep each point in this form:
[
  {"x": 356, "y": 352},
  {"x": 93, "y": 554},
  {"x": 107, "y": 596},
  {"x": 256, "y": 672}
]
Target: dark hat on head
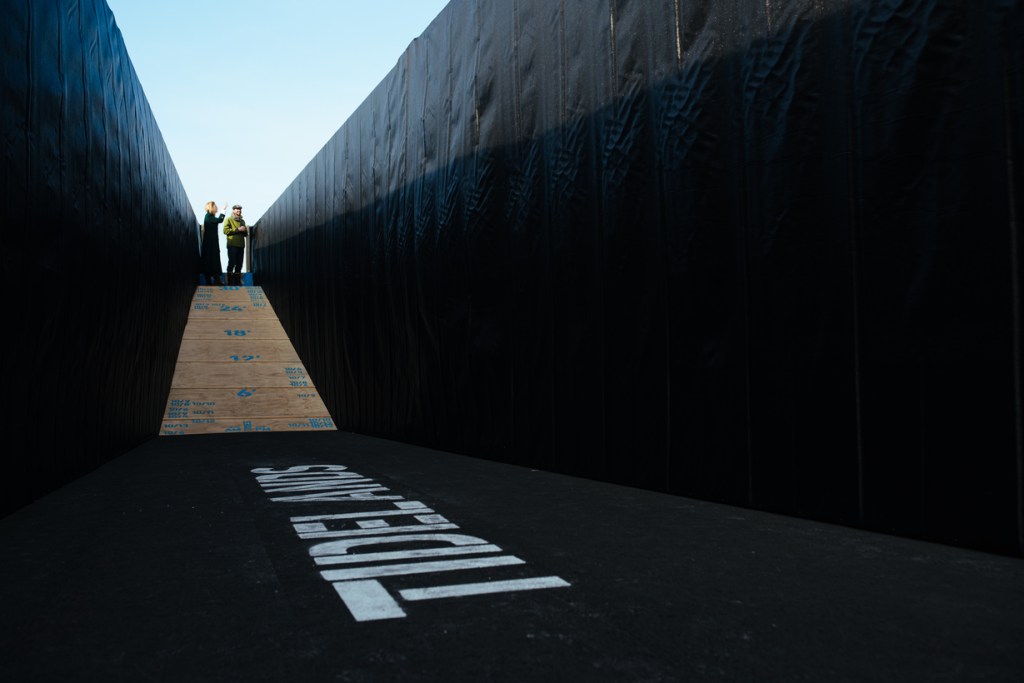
[{"x": 237, "y": 206}]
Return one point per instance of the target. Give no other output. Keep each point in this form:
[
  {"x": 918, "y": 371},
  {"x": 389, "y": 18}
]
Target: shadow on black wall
[{"x": 766, "y": 259}]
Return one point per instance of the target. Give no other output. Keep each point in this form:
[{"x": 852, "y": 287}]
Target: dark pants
[{"x": 235, "y": 259}]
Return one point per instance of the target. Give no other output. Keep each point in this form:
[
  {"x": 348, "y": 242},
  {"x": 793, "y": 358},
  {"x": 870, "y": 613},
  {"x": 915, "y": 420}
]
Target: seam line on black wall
[
  {"x": 853, "y": 198},
  {"x": 1015, "y": 296},
  {"x": 679, "y": 40},
  {"x": 518, "y": 76},
  {"x": 563, "y": 63},
  {"x": 614, "y": 57}
]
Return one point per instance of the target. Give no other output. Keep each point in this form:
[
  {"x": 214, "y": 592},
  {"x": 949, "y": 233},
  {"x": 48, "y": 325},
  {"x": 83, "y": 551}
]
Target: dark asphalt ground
[{"x": 172, "y": 563}]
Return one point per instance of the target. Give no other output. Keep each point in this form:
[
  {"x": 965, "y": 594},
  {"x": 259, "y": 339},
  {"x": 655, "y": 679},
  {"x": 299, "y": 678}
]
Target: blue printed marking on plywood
[
  {"x": 296, "y": 377},
  {"x": 248, "y": 426},
  {"x": 183, "y": 408},
  {"x": 314, "y": 423}
]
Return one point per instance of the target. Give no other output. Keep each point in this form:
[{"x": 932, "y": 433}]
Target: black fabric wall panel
[
  {"x": 576, "y": 246},
  {"x": 99, "y": 249},
  {"x": 707, "y": 362},
  {"x": 796, "y": 261},
  {"x": 538, "y": 80},
  {"x": 936, "y": 292},
  {"x": 760, "y": 253}
]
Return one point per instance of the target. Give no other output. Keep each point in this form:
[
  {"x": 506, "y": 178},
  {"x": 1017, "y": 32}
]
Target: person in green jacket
[{"x": 236, "y": 230}]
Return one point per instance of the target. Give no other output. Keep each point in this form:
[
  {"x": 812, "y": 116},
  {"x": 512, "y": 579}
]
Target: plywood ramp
[{"x": 237, "y": 371}]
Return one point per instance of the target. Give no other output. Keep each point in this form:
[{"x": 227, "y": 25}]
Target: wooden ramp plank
[
  {"x": 247, "y": 402},
  {"x": 238, "y": 425},
  {"x": 234, "y": 294},
  {"x": 205, "y": 375},
  {"x": 228, "y": 310},
  {"x": 262, "y": 328},
  {"x": 237, "y": 370},
  {"x": 237, "y": 350}
]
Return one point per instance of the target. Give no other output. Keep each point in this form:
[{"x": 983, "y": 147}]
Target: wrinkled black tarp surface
[
  {"x": 98, "y": 246},
  {"x": 765, "y": 253}
]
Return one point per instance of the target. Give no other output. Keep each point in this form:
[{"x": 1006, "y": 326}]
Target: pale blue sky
[{"x": 246, "y": 92}]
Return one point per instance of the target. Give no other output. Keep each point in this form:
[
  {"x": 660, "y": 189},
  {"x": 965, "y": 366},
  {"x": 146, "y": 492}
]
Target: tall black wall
[
  {"x": 765, "y": 253},
  {"x": 98, "y": 248}
]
